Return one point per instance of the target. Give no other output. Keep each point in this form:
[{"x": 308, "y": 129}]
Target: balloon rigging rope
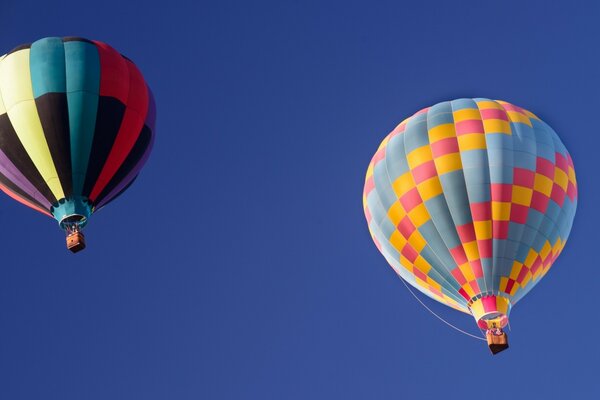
[{"x": 438, "y": 317}]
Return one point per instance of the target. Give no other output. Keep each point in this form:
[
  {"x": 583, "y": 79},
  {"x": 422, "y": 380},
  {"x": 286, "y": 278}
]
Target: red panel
[
  {"x": 561, "y": 162},
  {"x": 131, "y": 126},
  {"x": 420, "y": 274},
  {"x": 523, "y": 177},
  {"x": 369, "y": 185},
  {"x": 544, "y": 167},
  {"x": 380, "y": 155},
  {"x": 114, "y": 73},
  {"x": 458, "y": 275},
  {"x": 464, "y": 294},
  {"x": 522, "y": 274},
  {"x": 424, "y": 171},
  {"x": 558, "y": 195},
  {"x": 458, "y": 253},
  {"x": 539, "y": 201},
  {"x": 571, "y": 191},
  {"x": 409, "y": 253},
  {"x": 476, "y": 267},
  {"x": 469, "y": 126},
  {"x": 444, "y": 146},
  {"x": 501, "y": 192},
  {"x": 481, "y": 211},
  {"x": 500, "y": 229},
  {"x": 493, "y": 113},
  {"x": 509, "y": 286},
  {"x": 485, "y": 248},
  {"x": 518, "y": 213},
  {"x": 466, "y": 233},
  {"x": 24, "y": 201},
  {"x": 411, "y": 199},
  {"x": 489, "y": 303},
  {"x": 406, "y": 227}
]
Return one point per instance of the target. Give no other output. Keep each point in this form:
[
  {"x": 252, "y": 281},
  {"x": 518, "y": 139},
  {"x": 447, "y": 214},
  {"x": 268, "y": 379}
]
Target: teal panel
[
  {"x": 47, "y": 65},
  {"x": 83, "y": 87}
]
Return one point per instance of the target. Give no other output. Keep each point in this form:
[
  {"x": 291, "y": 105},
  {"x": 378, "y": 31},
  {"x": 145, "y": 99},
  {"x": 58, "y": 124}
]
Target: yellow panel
[
  {"x": 477, "y": 308},
  {"x": 502, "y": 304},
  {"x": 487, "y": 104},
  {"x": 397, "y": 240},
  {"x": 419, "y": 156},
  {"x": 384, "y": 143},
  {"x": 419, "y": 215},
  {"x": 467, "y": 288},
  {"x": 430, "y": 188},
  {"x": 503, "y": 282},
  {"x": 516, "y": 270},
  {"x": 530, "y": 114},
  {"x": 500, "y": 211},
  {"x": 561, "y": 178},
  {"x": 522, "y": 195},
  {"x": 531, "y": 256},
  {"x": 448, "y": 163},
  {"x": 467, "y": 272},
  {"x": 15, "y": 78},
  {"x": 472, "y": 141},
  {"x": 496, "y": 126},
  {"x": 466, "y": 114},
  {"x": 369, "y": 171},
  {"x": 441, "y": 132},
  {"x": 423, "y": 284},
  {"x": 572, "y": 177},
  {"x": 471, "y": 250},
  {"x": 403, "y": 184},
  {"x": 543, "y": 184},
  {"x": 417, "y": 241},
  {"x": 25, "y": 120},
  {"x": 434, "y": 284},
  {"x": 545, "y": 250},
  {"x": 516, "y": 116},
  {"x": 483, "y": 229},
  {"x": 396, "y": 213},
  {"x": 514, "y": 289},
  {"x": 526, "y": 279},
  {"x": 405, "y": 263},
  {"x": 556, "y": 247},
  {"x": 422, "y": 265}
]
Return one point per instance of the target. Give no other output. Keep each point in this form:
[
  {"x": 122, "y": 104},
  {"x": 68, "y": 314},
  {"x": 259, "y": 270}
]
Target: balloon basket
[
  {"x": 75, "y": 241},
  {"x": 497, "y": 340}
]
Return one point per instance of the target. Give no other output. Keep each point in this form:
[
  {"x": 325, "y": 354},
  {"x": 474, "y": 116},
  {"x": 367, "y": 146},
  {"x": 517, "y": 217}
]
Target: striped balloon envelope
[
  {"x": 76, "y": 126},
  {"x": 471, "y": 201}
]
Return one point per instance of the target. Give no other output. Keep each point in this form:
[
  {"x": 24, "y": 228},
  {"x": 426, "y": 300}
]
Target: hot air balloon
[
  {"x": 76, "y": 126},
  {"x": 471, "y": 201}
]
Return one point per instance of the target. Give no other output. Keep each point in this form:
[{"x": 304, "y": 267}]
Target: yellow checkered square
[
  {"x": 466, "y": 114},
  {"x": 500, "y": 211},
  {"x": 472, "y": 141},
  {"x": 441, "y": 132},
  {"x": 430, "y": 188},
  {"x": 419, "y": 156},
  {"x": 403, "y": 184},
  {"x": 543, "y": 184},
  {"x": 497, "y": 126},
  {"x": 448, "y": 163},
  {"x": 522, "y": 195}
]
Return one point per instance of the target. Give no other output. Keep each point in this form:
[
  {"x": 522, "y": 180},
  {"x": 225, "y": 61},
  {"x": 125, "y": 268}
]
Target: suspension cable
[{"x": 437, "y": 316}]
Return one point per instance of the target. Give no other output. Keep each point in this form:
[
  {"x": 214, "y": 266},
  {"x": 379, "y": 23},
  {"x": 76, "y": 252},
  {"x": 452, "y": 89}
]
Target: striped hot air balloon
[
  {"x": 76, "y": 127},
  {"x": 471, "y": 201}
]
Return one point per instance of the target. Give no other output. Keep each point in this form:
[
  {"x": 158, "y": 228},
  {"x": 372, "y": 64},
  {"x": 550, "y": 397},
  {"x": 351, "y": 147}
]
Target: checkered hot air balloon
[
  {"x": 76, "y": 127},
  {"x": 471, "y": 201}
]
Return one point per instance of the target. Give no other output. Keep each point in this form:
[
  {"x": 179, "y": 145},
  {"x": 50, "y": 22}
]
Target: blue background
[{"x": 239, "y": 265}]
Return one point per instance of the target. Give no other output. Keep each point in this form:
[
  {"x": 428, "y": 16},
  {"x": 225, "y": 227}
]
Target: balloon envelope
[
  {"x": 471, "y": 201},
  {"x": 76, "y": 125}
]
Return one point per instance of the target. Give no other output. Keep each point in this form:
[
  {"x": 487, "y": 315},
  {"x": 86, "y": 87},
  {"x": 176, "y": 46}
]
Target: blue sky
[{"x": 239, "y": 265}]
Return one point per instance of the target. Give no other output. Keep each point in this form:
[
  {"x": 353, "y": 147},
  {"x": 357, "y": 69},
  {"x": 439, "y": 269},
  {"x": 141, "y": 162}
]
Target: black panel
[
  {"x": 20, "y": 47},
  {"x": 54, "y": 116},
  {"x": 76, "y": 39},
  {"x": 14, "y": 150},
  {"x": 108, "y": 121},
  {"x": 121, "y": 192},
  {"x": 134, "y": 156}
]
